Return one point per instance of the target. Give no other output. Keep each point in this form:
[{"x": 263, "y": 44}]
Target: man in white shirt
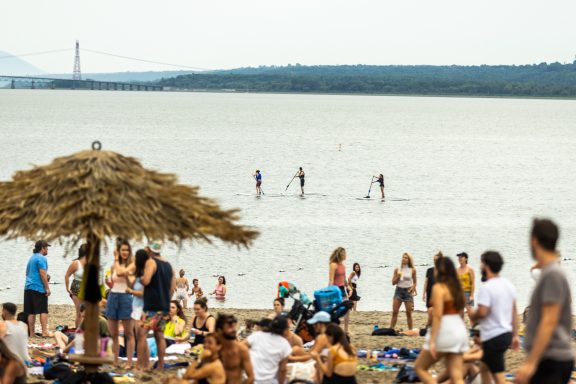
[
  {"x": 14, "y": 332},
  {"x": 269, "y": 352},
  {"x": 497, "y": 316}
]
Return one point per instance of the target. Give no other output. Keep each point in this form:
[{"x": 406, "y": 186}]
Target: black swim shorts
[{"x": 494, "y": 351}]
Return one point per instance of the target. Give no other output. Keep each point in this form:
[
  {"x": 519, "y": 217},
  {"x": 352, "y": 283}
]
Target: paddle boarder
[
  {"x": 380, "y": 180},
  {"x": 258, "y": 177},
  {"x": 300, "y": 174}
]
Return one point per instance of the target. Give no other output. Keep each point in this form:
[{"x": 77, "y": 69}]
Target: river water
[{"x": 462, "y": 174}]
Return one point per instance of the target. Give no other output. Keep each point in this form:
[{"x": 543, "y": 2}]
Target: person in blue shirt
[
  {"x": 258, "y": 177},
  {"x": 37, "y": 290}
]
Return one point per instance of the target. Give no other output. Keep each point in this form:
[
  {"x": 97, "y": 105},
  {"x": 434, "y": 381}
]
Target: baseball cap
[
  {"x": 320, "y": 317},
  {"x": 155, "y": 247},
  {"x": 41, "y": 244}
]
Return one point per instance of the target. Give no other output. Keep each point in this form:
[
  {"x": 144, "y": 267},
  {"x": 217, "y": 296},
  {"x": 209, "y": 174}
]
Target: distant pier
[{"x": 30, "y": 82}]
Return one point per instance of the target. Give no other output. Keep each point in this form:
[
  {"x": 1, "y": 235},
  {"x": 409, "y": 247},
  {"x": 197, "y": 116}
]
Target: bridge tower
[{"x": 77, "y": 75}]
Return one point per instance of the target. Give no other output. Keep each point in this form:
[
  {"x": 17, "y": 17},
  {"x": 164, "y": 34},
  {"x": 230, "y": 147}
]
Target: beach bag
[
  {"x": 407, "y": 375},
  {"x": 304, "y": 372},
  {"x": 82, "y": 377},
  {"x": 328, "y": 298},
  {"x": 384, "y": 332}
]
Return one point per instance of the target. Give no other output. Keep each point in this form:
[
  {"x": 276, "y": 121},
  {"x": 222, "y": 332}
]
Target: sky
[{"x": 222, "y": 34}]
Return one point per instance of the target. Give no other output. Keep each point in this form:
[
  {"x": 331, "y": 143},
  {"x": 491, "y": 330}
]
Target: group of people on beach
[
  {"x": 301, "y": 175},
  {"x": 146, "y": 300}
]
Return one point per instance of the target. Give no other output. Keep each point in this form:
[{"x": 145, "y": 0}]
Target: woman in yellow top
[
  {"x": 466, "y": 275},
  {"x": 175, "y": 330},
  {"x": 340, "y": 366}
]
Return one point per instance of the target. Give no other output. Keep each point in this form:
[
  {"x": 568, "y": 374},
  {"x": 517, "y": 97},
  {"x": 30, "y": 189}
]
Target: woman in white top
[
  {"x": 76, "y": 270},
  {"x": 405, "y": 281},
  {"x": 353, "y": 280},
  {"x": 447, "y": 338},
  {"x": 119, "y": 304}
]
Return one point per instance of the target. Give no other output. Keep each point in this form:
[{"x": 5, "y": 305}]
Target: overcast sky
[{"x": 233, "y": 33}]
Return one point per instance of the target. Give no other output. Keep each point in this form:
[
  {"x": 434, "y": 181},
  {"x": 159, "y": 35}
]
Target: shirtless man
[{"x": 234, "y": 355}]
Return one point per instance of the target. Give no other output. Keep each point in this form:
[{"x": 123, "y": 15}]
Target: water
[{"x": 475, "y": 171}]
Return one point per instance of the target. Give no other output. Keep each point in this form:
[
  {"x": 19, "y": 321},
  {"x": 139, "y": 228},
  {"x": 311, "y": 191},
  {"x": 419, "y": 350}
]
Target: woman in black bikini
[{"x": 203, "y": 322}]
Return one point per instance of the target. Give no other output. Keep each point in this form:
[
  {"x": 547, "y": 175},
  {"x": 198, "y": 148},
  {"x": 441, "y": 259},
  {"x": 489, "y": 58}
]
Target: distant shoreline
[{"x": 216, "y": 91}]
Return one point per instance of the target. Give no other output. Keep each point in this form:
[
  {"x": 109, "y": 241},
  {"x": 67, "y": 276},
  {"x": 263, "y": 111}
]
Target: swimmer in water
[
  {"x": 300, "y": 174},
  {"x": 258, "y": 177},
  {"x": 380, "y": 180}
]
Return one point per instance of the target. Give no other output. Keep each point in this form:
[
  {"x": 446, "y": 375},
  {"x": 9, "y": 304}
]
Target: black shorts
[
  {"x": 494, "y": 351},
  {"x": 553, "y": 372},
  {"x": 35, "y": 302},
  {"x": 301, "y": 182}
]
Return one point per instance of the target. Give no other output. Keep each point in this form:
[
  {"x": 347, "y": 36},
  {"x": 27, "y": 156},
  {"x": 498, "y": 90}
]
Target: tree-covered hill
[{"x": 538, "y": 80}]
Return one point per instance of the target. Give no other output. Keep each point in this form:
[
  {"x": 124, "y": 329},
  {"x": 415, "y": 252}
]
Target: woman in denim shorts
[
  {"x": 405, "y": 281},
  {"x": 119, "y": 304}
]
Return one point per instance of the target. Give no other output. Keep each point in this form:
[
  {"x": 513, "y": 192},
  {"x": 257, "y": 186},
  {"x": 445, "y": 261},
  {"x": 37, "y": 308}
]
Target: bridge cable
[
  {"x": 36, "y": 53},
  {"x": 144, "y": 60}
]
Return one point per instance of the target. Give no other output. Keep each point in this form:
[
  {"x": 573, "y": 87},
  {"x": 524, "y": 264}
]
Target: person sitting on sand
[
  {"x": 15, "y": 334},
  {"x": 175, "y": 330},
  {"x": 269, "y": 352},
  {"x": 202, "y": 322},
  {"x": 196, "y": 290},
  {"x": 340, "y": 367},
  {"x": 235, "y": 356},
  {"x": 471, "y": 360},
  {"x": 12, "y": 369},
  {"x": 65, "y": 341},
  {"x": 209, "y": 369},
  {"x": 280, "y": 310}
]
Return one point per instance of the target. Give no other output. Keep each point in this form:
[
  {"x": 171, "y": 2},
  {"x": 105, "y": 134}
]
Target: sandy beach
[{"x": 361, "y": 326}]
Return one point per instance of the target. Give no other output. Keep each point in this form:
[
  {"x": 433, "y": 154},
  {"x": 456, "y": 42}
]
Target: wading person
[
  {"x": 258, "y": 178},
  {"x": 235, "y": 356},
  {"x": 405, "y": 281},
  {"x": 159, "y": 283},
  {"x": 119, "y": 302},
  {"x": 448, "y": 337},
  {"x": 182, "y": 288},
  {"x": 220, "y": 289},
  {"x": 76, "y": 270},
  {"x": 36, "y": 289},
  {"x": 550, "y": 357},
  {"x": 497, "y": 316},
  {"x": 196, "y": 290},
  {"x": 337, "y": 276}
]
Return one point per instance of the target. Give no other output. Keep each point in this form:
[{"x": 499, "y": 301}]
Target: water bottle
[{"x": 79, "y": 343}]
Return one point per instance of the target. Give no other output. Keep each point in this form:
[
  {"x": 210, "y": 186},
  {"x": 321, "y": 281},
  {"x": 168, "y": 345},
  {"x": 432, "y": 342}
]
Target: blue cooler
[{"x": 327, "y": 298}]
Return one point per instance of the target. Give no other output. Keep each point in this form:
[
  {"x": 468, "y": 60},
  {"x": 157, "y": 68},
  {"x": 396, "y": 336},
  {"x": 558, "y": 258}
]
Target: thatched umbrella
[{"x": 97, "y": 195}]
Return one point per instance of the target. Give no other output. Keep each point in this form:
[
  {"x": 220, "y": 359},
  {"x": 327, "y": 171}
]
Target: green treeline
[{"x": 539, "y": 80}]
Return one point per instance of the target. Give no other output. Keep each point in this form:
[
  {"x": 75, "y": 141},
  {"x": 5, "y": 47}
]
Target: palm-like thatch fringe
[{"x": 104, "y": 194}]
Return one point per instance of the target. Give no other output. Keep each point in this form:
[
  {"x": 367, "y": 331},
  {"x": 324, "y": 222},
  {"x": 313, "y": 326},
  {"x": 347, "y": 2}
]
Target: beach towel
[{"x": 178, "y": 349}]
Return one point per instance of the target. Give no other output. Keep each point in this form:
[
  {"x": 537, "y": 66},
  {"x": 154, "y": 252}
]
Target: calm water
[{"x": 475, "y": 172}]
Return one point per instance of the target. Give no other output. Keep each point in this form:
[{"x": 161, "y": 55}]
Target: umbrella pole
[{"x": 91, "y": 359}]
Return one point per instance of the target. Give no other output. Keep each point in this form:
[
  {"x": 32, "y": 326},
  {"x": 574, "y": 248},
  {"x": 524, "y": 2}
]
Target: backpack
[
  {"x": 57, "y": 368},
  {"x": 384, "y": 332},
  {"x": 407, "y": 375}
]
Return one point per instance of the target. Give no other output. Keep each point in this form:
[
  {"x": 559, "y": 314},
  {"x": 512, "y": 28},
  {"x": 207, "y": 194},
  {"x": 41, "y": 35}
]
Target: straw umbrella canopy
[{"x": 96, "y": 195}]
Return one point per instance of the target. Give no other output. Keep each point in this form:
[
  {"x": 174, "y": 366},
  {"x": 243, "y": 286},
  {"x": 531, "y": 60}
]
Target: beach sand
[{"x": 361, "y": 326}]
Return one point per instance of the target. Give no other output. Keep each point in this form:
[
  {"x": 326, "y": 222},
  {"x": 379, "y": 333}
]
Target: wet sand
[{"x": 361, "y": 326}]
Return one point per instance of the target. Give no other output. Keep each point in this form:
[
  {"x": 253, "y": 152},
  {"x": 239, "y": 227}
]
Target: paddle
[
  {"x": 261, "y": 190},
  {"x": 370, "y": 189},
  {"x": 290, "y": 183}
]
